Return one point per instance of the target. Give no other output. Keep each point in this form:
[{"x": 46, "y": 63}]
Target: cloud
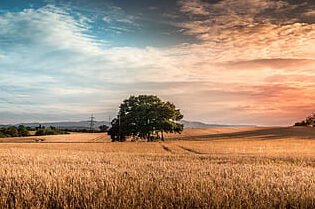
[
  {"x": 119, "y": 21},
  {"x": 244, "y": 67},
  {"x": 255, "y": 49},
  {"x": 61, "y": 30},
  {"x": 107, "y": 19},
  {"x": 244, "y": 30},
  {"x": 310, "y": 13},
  {"x": 302, "y": 67},
  {"x": 194, "y": 7},
  {"x": 51, "y": 62}
]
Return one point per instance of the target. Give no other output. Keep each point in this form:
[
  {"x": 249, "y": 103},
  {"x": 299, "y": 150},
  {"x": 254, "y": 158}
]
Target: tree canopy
[
  {"x": 146, "y": 117},
  {"x": 13, "y": 131},
  {"x": 309, "y": 121}
]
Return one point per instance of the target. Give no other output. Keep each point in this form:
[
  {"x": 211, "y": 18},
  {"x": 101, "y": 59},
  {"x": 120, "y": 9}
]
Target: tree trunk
[
  {"x": 157, "y": 135},
  {"x": 149, "y": 137}
]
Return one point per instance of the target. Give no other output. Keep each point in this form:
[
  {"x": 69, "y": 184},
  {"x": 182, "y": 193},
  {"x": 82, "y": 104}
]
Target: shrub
[{"x": 49, "y": 131}]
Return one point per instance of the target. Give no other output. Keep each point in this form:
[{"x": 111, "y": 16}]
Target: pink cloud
[{"x": 253, "y": 63}]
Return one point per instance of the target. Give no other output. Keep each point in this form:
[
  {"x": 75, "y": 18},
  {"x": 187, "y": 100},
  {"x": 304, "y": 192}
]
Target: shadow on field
[{"x": 261, "y": 133}]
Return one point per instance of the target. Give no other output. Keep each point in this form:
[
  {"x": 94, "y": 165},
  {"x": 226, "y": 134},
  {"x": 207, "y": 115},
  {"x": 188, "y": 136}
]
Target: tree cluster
[
  {"x": 13, "y": 131},
  {"x": 103, "y": 128},
  {"x": 43, "y": 131},
  {"x": 309, "y": 121},
  {"x": 145, "y": 117}
]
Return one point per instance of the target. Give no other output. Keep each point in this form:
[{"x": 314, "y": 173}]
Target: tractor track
[
  {"x": 166, "y": 148},
  {"x": 191, "y": 150}
]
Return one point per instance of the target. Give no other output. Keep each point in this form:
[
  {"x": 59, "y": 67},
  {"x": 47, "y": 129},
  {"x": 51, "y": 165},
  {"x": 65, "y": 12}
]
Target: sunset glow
[{"x": 220, "y": 61}]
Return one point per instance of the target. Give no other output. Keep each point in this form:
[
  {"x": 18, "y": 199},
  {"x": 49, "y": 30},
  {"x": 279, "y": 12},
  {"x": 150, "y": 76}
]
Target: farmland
[{"x": 202, "y": 168}]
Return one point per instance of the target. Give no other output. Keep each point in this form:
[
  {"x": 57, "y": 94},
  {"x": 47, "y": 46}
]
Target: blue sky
[
  {"x": 122, "y": 23},
  {"x": 233, "y": 62}
]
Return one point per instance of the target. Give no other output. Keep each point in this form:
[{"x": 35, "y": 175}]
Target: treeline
[
  {"x": 309, "y": 121},
  {"x": 22, "y": 131},
  {"x": 43, "y": 131},
  {"x": 101, "y": 129},
  {"x": 13, "y": 131}
]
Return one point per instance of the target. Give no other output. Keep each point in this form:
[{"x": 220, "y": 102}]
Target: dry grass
[
  {"x": 249, "y": 171},
  {"x": 66, "y": 138}
]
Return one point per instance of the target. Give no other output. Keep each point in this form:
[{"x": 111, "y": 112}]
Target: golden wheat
[{"x": 248, "y": 173}]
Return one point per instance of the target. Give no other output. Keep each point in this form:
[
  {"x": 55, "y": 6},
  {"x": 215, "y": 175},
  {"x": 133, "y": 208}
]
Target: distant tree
[
  {"x": 309, "y": 121},
  {"x": 49, "y": 131},
  {"x": 40, "y": 132},
  {"x": 22, "y": 131},
  {"x": 146, "y": 117},
  {"x": 2, "y": 135},
  {"x": 30, "y": 128},
  {"x": 103, "y": 128},
  {"x": 39, "y": 127},
  {"x": 300, "y": 123},
  {"x": 12, "y": 131},
  {"x": 52, "y": 131}
]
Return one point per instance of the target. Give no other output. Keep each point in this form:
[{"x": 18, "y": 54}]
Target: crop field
[{"x": 202, "y": 168}]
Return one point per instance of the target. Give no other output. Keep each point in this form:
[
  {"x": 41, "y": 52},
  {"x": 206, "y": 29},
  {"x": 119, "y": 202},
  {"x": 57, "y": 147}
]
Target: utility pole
[
  {"x": 119, "y": 136},
  {"x": 92, "y": 123}
]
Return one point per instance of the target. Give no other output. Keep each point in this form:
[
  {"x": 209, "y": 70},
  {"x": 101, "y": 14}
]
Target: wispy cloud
[
  {"x": 310, "y": 13},
  {"x": 246, "y": 29},
  {"x": 258, "y": 49},
  {"x": 251, "y": 63},
  {"x": 55, "y": 62},
  {"x": 119, "y": 21}
]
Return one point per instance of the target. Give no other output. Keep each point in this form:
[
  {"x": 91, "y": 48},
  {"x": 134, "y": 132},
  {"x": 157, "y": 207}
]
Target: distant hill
[
  {"x": 86, "y": 124},
  {"x": 196, "y": 124}
]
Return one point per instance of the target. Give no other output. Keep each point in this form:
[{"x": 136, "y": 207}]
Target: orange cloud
[
  {"x": 253, "y": 62},
  {"x": 245, "y": 30}
]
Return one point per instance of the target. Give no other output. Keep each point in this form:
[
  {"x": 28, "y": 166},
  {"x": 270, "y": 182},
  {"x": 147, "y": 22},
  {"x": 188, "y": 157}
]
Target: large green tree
[{"x": 146, "y": 117}]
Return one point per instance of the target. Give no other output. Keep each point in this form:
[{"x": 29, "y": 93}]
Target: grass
[{"x": 221, "y": 173}]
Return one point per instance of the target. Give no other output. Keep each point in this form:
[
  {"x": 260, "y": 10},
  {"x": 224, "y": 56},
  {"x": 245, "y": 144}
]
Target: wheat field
[{"x": 215, "y": 168}]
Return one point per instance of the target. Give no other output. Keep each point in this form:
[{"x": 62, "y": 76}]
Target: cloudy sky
[{"x": 220, "y": 61}]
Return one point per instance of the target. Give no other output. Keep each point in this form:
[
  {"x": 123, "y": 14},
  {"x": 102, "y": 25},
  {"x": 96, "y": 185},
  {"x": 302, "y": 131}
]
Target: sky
[{"x": 219, "y": 61}]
